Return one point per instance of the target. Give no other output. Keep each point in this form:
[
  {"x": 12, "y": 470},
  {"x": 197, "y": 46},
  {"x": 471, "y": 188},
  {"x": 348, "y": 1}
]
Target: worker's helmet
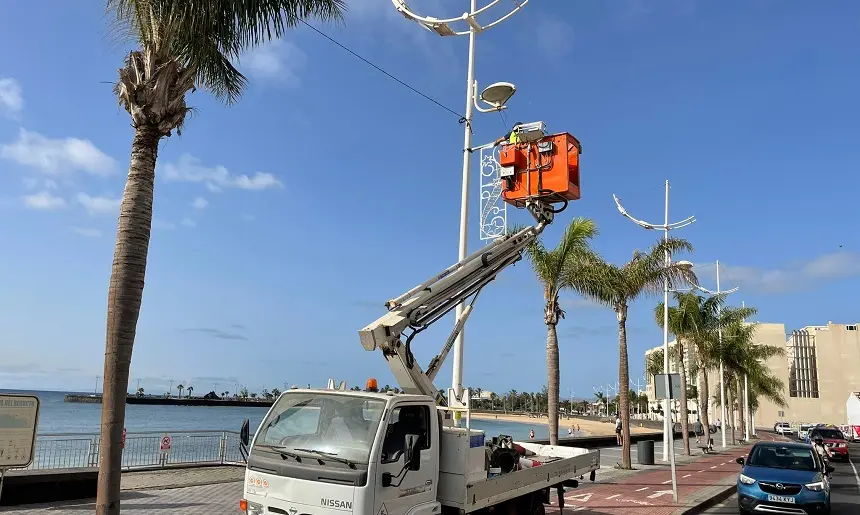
[
  {"x": 371, "y": 385},
  {"x": 819, "y": 440}
]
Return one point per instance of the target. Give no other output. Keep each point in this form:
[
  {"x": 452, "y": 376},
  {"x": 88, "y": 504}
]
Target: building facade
[{"x": 821, "y": 367}]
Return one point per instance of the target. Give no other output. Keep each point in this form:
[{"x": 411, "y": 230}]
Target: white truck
[{"x": 334, "y": 451}]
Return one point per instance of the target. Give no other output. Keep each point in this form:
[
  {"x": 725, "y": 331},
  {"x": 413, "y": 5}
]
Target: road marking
[
  {"x": 714, "y": 467},
  {"x": 856, "y": 477},
  {"x": 643, "y": 488},
  {"x": 699, "y": 471},
  {"x": 688, "y": 475},
  {"x": 666, "y": 482},
  {"x": 613, "y": 496},
  {"x": 659, "y": 493}
]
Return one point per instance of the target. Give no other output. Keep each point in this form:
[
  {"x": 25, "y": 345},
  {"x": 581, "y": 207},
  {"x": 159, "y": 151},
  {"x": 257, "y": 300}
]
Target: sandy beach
[{"x": 586, "y": 426}]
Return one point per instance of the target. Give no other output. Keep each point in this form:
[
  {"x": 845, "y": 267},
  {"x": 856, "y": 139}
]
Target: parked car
[
  {"x": 833, "y": 438},
  {"x": 780, "y": 477},
  {"x": 803, "y": 430},
  {"x": 783, "y": 428}
]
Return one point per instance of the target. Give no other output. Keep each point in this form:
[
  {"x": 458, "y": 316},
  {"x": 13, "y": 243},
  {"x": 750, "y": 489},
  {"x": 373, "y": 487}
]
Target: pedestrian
[
  {"x": 531, "y": 434},
  {"x": 570, "y": 431},
  {"x": 618, "y": 428},
  {"x": 577, "y": 428},
  {"x": 697, "y": 428}
]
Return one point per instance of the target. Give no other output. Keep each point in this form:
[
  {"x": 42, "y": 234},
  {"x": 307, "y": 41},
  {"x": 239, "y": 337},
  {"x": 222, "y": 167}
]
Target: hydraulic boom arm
[{"x": 426, "y": 303}]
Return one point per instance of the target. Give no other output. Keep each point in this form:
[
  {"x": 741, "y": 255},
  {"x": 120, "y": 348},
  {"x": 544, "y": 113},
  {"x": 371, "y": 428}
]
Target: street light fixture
[
  {"x": 668, "y": 426},
  {"x": 495, "y": 95}
]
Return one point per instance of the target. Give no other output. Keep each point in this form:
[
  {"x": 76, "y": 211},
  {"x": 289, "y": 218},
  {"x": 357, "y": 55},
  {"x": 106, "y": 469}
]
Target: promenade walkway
[{"x": 647, "y": 490}]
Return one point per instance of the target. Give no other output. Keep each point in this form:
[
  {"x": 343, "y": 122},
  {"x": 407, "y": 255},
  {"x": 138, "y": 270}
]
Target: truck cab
[{"x": 334, "y": 452}]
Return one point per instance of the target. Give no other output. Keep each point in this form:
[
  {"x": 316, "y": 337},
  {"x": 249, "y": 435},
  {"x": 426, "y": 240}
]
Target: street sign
[
  {"x": 19, "y": 418},
  {"x": 660, "y": 386},
  {"x": 165, "y": 443}
]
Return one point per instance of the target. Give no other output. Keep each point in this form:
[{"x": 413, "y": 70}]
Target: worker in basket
[
  {"x": 822, "y": 450},
  {"x": 511, "y": 137}
]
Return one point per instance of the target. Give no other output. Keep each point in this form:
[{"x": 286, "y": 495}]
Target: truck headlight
[
  {"x": 815, "y": 487},
  {"x": 746, "y": 479},
  {"x": 251, "y": 508}
]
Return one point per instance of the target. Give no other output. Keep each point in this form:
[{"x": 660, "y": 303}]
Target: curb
[{"x": 710, "y": 502}]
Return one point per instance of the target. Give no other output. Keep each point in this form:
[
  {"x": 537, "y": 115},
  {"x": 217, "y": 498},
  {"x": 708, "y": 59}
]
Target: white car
[
  {"x": 803, "y": 431},
  {"x": 783, "y": 428}
]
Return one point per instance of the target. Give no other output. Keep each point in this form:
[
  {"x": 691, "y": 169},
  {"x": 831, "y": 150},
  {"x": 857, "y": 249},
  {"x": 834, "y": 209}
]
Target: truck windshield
[{"x": 341, "y": 425}]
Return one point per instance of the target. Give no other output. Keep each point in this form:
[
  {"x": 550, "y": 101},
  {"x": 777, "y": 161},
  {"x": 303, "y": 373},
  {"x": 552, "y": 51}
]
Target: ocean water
[{"x": 58, "y": 416}]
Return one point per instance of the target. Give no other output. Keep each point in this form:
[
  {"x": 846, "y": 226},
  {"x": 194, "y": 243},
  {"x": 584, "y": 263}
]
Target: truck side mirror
[
  {"x": 411, "y": 453},
  {"x": 739, "y": 461},
  {"x": 245, "y": 432}
]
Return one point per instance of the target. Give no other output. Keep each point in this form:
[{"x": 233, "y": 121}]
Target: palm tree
[
  {"x": 684, "y": 322},
  {"x": 183, "y": 44},
  {"x": 189, "y": 389},
  {"x": 180, "y": 388},
  {"x": 140, "y": 392},
  {"x": 276, "y": 393},
  {"x": 616, "y": 287},
  {"x": 554, "y": 270}
]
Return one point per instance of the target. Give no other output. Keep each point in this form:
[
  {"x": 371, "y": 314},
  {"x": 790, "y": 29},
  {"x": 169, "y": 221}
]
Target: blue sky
[{"x": 284, "y": 222}]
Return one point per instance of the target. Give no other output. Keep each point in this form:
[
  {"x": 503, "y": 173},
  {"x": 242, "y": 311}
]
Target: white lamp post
[
  {"x": 720, "y": 339},
  {"x": 494, "y": 96},
  {"x": 668, "y": 436}
]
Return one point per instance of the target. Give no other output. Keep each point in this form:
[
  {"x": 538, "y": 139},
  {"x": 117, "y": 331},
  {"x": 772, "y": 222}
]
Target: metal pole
[
  {"x": 722, "y": 372},
  {"x": 2, "y": 477},
  {"x": 457, "y": 380},
  {"x": 746, "y": 399},
  {"x": 668, "y": 447}
]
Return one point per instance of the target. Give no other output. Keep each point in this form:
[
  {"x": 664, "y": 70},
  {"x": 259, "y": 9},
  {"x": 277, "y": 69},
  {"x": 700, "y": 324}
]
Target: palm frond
[{"x": 207, "y": 35}]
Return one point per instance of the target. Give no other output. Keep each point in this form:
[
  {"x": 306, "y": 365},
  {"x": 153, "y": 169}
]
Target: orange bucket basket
[{"x": 547, "y": 169}]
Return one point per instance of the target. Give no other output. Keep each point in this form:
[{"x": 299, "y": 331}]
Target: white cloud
[
  {"x": 32, "y": 183},
  {"x": 189, "y": 169},
  {"x": 43, "y": 201},
  {"x": 278, "y": 60},
  {"x": 188, "y": 222},
  {"x": 790, "y": 278},
  {"x": 56, "y": 156},
  {"x": 87, "y": 233},
  {"x": 11, "y": 100},
  {"x": 199, "y": 203},
  {"x": 98, "y": 205}
]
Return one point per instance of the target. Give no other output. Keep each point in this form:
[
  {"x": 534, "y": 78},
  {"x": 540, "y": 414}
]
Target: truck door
[{"x": 411, "y": 492}]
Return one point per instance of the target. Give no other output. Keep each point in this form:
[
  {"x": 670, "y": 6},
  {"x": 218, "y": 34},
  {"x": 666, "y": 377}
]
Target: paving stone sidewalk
[{"x": 650, "y": 491}]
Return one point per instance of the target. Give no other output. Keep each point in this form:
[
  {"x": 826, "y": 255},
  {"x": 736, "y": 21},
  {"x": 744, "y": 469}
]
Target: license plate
[{"x": 780, "y": 498}]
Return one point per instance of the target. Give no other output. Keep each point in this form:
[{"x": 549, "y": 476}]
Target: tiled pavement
[
  {"x": 179, "y": 478},
  {"x": 219, "y": 499},
  {"x": 650, "y": 492}
]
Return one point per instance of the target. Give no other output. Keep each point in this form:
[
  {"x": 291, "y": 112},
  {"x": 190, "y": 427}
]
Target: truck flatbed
[{"x": 558, "y": 465}]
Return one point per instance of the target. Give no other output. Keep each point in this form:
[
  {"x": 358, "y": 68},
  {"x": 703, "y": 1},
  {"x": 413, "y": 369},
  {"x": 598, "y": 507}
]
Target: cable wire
[{"x": 390, "y": 76}]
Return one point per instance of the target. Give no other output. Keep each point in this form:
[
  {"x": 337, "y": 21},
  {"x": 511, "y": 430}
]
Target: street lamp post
[
  {"x": 668, "y": 437},
  {"x": 720, "y": 341},
  {"x": 495, "y": 96}
]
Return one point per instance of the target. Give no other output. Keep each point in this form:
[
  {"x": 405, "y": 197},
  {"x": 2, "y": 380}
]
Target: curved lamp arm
[
  {"x": 647, "y": 225},
  {"x": 429, "y": 22}
]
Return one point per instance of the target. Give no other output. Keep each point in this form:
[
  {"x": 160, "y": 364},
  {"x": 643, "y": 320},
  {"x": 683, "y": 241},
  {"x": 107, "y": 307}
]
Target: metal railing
[{"x": 142, "y": 450}]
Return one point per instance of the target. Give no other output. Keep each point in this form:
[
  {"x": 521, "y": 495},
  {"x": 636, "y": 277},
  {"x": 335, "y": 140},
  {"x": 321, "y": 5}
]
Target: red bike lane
[{"x": 651, "y": 492}]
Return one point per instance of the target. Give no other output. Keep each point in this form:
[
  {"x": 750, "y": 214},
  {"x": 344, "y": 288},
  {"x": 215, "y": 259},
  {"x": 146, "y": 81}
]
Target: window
[
  {"x": 830, "y": 434},
  {"x": 793, "y": 458},
  {"x": 803, "y": 365},
  {"x": 344, "y": 425},
  {"x": 405, "y": 420}
]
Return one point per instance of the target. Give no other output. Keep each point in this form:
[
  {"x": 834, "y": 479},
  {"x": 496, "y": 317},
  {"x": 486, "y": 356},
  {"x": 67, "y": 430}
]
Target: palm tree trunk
[
  {"x": 741, "y": 420},
  {"x": 730, "y": 411},
  {"x": 685, "y": 416},
  {"x": 552, "y": 381},
  {"x": 124, "y": 297},
  {"x": 624, "y": 381},
  {"x": 704, "y": 403}
]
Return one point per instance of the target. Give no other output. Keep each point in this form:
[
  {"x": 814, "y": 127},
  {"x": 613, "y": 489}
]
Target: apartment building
[{"x": 821, "y": 367}]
